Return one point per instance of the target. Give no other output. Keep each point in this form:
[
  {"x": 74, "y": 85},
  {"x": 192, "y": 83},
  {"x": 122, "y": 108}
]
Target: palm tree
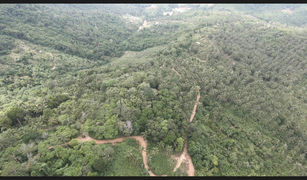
[
  {"x": 128, "y": 154},
  {"x": 287, "y": 159},
  {"x": 43, "y": 168},
  {"x": 282, "y": 149},
  {"x": 302, "y": 157},
  {"x": 303, "y": 170},
  {"x": 144, "y": 134},
  {"x": 155, "y": 151},
  {"x": 108, "y": 157},
  {"x": 141, "y": 148},
  {"x": 136, "y": 159},
  {"x": 296, "y": 165},
  {"x": 168, "y": 149},
  {"x": 197, "y": 88},
  {"x": 161, "y": 145},
  {"x": 212, "y": 137}
]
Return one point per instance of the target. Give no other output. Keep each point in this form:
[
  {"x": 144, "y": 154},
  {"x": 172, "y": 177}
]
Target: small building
[{"x": 198, "y": 42}]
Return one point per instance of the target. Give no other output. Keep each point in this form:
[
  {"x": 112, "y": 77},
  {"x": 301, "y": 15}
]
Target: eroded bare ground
[
  {"x": 126, "y": 52},
  {"x": 132, "y": 19},
  {"x": 288, "y": 11},
  {"x": 153, "y": 6},
  {"x": 142, "y": 26}
]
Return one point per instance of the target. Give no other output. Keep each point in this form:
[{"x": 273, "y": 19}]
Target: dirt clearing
[{"x": 288, "y": 11}]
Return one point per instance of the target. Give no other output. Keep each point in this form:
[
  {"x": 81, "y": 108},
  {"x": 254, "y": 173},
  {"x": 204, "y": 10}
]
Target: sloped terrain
[{"x": 65, "y": 66}]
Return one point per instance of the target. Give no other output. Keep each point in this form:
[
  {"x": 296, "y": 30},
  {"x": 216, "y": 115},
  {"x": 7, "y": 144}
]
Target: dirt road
[
  {"x": 194, "y": 109},
  {"x": 202, "y": 60},
  {"x": 176, "y": 71},
  {"x": 29, "y": 161},
  {"x": 126, "y": 52},
  {"x": 142, "y": 26},
  {"x": 53, "y": 65},
  {"x": 185, "y": 157},
  {"x": 139, "y": 139}
]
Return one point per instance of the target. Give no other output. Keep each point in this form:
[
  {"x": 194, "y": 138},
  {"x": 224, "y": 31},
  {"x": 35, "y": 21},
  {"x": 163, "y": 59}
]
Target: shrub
[
  {"x": 73, "y": 142},
  {"x": 161, "y": 165},
  {"x": 131, "y": 142},
  {"x": 32, "y": 135},
  {"x": 16, "y": 114}
]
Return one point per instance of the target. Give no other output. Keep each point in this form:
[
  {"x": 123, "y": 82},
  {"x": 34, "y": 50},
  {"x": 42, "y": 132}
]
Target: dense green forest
[{"x": 121, "y": 70}]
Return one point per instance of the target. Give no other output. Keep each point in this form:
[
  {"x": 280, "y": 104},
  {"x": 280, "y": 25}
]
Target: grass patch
[
  {"x": 134, "y": 57},
  {"x": 150, "y": 145},
  {"x": 122, "y": 166},
  {"x": 161, "y": 165}
]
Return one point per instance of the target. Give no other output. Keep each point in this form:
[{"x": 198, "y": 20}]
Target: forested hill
[
  {"x": 111, "y": 71},
  {"x": 96, "y": 35},
  {"x": 289, "y": 14}
]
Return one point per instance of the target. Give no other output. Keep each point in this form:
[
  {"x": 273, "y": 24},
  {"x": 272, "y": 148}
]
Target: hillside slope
[{"x": 61, "y": 76}]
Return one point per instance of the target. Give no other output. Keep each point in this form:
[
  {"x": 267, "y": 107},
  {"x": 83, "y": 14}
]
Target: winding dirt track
[
  {"x": 202, "y": 60},
  {"x": 195, "y": 106},
  {"x": 126, "y": 52},
  {"x": 176, "y": 71},
  {"x": 142, "y": 26},
  {"x": 185, "y": 157},
  {"x": 53, "y": 65},
  {"x": 139, "y": 139},
  {"x": 206, "y": 49}
]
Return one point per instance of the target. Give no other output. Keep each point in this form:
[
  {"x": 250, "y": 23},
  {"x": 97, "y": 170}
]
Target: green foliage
[
  {"x": 180, "y": 143},
  {"x": 60, "y": 65},
  {"x": 110, "y": 82},
  {"x": 54, "y": 102},
  {"x": 123, "y": 165},
  {"x": 160, "y": 165},
  {"x": 73, "y": 142},
  {"x": 131, "y": 142},
  {"x": 32, "y": 135},
  {"x": 13, "y": 168},
  {"x": 16, "y": 114},
  {"x": 7, "y": 139},
  {"x": 7, "y": 44},
  {"x": 214, "y": 160},
  {"x": 5, "y": 122},
  {"x": 110, "y": 128},
  {"x": 47, "y": 113}
]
